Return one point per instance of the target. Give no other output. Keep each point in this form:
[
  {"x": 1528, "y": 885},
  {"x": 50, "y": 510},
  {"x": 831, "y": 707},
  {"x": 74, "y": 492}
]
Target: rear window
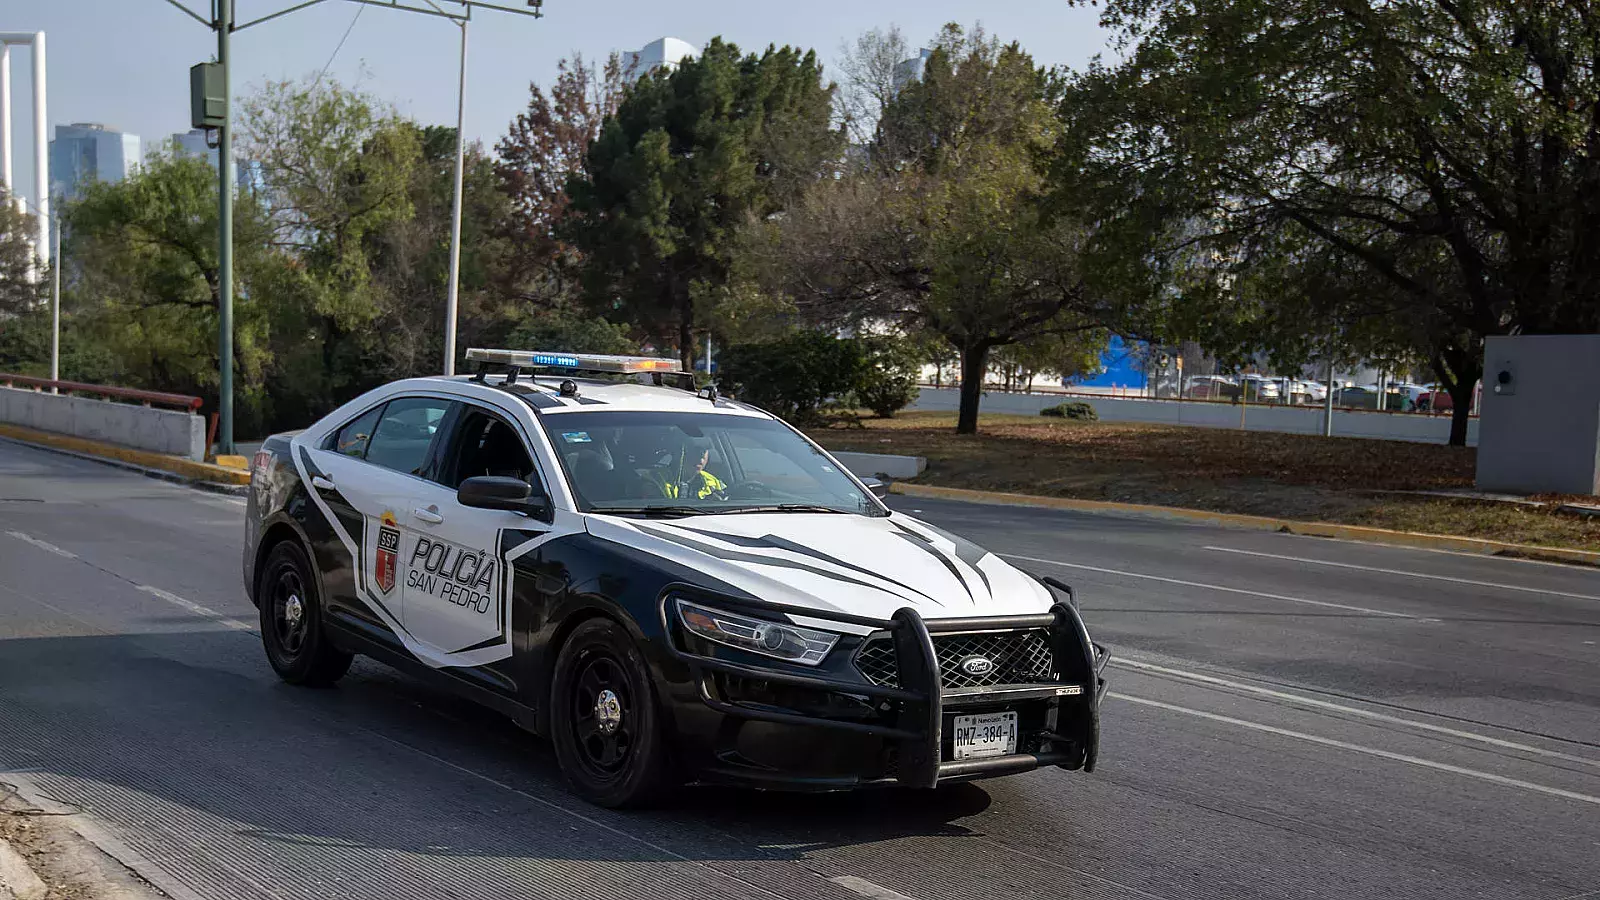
[{"x": 352, "y": 439}]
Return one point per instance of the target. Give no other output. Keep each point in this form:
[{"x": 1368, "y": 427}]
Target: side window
[
  {"x": 352, "y": 439},
  {"x": 405, "y": 433},
  {"x": 485, "y": 444}
]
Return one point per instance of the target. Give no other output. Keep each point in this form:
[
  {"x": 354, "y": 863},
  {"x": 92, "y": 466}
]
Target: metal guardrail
[{"x": 145, "y": 398}]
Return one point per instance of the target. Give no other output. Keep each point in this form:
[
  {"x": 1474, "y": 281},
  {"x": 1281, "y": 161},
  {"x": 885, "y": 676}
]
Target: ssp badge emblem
[{"x": 388, "y": 550}]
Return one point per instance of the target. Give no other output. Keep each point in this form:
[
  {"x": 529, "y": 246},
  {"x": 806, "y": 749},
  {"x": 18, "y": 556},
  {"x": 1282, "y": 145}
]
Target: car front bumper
[{"x": 742, "y": 720}]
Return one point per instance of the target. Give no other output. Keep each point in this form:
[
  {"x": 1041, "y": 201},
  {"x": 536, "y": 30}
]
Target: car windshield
[{"x": 659, "y": 463}]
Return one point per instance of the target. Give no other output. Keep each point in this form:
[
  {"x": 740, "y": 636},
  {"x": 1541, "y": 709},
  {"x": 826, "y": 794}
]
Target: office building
[
  {"x": 663, "y": 53},
  {"x": 85, "y": 152},
  {"x": 909, "y": 70},
  {"x": 246, "y": 174}
]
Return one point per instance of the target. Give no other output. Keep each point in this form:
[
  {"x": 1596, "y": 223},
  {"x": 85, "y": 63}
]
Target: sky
[{"x": 124, "y": 63}]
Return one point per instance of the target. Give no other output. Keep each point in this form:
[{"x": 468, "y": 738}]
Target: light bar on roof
[{"x": 578, "y": 362}]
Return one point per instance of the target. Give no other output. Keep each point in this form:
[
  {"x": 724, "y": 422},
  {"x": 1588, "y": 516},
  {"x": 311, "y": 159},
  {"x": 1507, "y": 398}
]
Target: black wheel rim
[
  {"x": 604, "y": 715},
  {"x": 291, "y": 616}
]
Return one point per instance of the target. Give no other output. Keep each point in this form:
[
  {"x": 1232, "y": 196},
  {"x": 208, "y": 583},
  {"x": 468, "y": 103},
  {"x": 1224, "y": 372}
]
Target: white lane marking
[
  {"x": 196, "y": 608},
  {"x": 43, "y": 545},
  {"x": 867, "y": 889},
  {"x": 1344, "y": 565},
  {"x": 1370, "y": 751},
  {"x": 1216, "y": 587},
  {"x": 1399, "y": 548},
  {"x": 1124, "y": 661}
]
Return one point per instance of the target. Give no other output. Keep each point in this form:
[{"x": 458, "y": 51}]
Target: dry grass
[{"x": 1286, "y": 475}]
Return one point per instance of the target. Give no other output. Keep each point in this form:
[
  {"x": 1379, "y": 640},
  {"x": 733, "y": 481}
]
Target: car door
[
  {"x": 368, "y": 474},
  {"x": 456, "y": 587}
]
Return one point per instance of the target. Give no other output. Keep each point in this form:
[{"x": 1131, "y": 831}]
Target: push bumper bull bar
[{"x": 916, "y": 724}]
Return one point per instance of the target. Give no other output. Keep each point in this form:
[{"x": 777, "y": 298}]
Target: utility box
[
  {"x": 208, "y": 102},
  {"x": 1539, "y": 420}
]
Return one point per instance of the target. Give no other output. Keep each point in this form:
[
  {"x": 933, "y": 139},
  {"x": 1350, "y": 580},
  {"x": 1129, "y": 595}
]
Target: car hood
[{"x": 859, "y": 565}]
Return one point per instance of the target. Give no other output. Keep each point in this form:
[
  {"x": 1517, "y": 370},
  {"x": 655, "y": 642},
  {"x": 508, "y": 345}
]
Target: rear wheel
[
  {"x": 605, "y": 722},
  {"x": 291, "y": 621}
]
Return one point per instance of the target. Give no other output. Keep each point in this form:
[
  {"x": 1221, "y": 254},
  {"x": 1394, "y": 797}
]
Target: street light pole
[
  {"x": 55, "y": 306},
  {"x": 453, "y": 291},
  {"x": 224, "y": 27},
  {"x": 223, "y": 23}
]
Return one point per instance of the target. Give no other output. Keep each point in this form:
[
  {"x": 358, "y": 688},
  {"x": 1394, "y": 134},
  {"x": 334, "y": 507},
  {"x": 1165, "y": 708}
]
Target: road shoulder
[
  {"x": 1258, "y": 523},
  {"x": 50, "y": 858}
]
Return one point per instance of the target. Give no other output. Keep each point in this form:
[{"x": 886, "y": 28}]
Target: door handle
[
  {"x": 428, "y": 516},
  {"x": 320, "y": 483}
]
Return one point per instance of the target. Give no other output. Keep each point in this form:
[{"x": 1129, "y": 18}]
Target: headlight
[{"x": 805, "y": 646}]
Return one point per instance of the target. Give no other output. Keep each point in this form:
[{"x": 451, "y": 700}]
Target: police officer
[{"x": 687, "y": 476}]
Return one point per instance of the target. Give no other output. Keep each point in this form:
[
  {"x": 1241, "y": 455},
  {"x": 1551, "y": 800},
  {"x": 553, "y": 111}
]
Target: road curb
[
  {"x": 17, "y": 878},
  {"x": 218, "y": 479},
  {"x": 1259, "y": 523}
]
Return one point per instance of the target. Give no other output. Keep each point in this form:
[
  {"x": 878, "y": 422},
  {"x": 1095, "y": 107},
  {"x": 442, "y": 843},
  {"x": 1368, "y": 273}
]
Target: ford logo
[{"x": 977, "y": 665}]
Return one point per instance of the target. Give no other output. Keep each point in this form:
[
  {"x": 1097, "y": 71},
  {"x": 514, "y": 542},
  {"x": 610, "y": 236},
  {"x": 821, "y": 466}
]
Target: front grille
[{"x": 1019, "y": 657}]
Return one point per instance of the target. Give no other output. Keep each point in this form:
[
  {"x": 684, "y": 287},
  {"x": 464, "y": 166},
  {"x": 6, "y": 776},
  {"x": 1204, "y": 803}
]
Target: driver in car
[{"x": 689, "y": 478}]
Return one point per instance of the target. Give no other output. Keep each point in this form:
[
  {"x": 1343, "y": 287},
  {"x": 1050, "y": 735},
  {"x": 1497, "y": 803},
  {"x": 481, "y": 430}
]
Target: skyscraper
[
  {"x": 246, "y": 174},
  {"x": 85, "y": 152}
]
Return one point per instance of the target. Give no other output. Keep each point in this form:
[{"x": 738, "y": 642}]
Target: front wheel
[
  {"x": 291, "y": 621},
  {"x": 605, "y": 722}
]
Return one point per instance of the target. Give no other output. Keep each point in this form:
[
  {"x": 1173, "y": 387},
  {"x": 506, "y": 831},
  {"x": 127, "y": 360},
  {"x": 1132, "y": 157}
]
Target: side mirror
[
  {"x": 878, "y": 488},
  {"x": 502, "y": 492}
]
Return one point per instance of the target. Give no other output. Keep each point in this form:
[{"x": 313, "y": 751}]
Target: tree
[
  {"x": 24, "y": 344},
  {"x": 545, "y": 147},
  {"x": 1062, "y": 355},
  {"x": 691, "y": 155},
  {"x": 944, "y": 229},
  {"x": 1444, "y": 148},
  {"x": 19, "y": 288},
  {"x": 336, "y": 168},
  {"x": 868, "y": 81},
  {"x": 146, "y": 283}
]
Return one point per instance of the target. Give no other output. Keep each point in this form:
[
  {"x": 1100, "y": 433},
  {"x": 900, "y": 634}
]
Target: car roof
[{"x": 542, "y": 393}]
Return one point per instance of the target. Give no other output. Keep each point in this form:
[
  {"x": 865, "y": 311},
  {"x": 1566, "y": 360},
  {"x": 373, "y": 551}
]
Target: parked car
[
  {"x": 1301, "y": 391},
  {"x": 1435, "y": 400},
  {"x": 1404, "y": 395},
  {"x": 1211, "y": 387},
  {"x": 1356, "y": 396},
  {"x": 1261, "y": 388}
]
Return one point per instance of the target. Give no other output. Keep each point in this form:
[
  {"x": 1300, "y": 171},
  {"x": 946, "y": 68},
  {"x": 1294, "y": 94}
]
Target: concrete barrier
[
  {"x": 1286, "y": 419},
  {"x": 865, "y": 465},
  {"x": 171, "y": 432}
]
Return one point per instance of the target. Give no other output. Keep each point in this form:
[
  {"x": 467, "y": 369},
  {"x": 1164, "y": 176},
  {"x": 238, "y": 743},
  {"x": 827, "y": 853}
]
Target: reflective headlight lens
[{"x": 805, "y": 646}]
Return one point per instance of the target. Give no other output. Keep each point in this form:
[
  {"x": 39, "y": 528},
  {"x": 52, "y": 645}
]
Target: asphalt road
[{"x": 1290, "y": 717}]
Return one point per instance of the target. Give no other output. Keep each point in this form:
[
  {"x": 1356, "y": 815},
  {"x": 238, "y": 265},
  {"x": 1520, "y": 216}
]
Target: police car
[{"x": 673, "y": 586}]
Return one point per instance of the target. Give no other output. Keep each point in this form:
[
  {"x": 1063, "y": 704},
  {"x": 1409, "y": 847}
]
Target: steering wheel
[{"x": 747, "y": 489}]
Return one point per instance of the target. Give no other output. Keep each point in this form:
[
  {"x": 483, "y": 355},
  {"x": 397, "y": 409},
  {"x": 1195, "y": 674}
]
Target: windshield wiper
[
  {"x": 651, "y": 510},
  {"x": 789, "y": 507}
]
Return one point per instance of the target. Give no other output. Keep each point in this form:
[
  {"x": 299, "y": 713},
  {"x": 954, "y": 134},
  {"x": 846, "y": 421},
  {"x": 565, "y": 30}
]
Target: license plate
[{"x": 989, "y": 734}]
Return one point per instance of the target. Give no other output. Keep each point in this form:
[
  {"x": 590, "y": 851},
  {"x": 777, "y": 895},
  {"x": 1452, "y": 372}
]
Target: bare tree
[{"x": 867, "y": 80}]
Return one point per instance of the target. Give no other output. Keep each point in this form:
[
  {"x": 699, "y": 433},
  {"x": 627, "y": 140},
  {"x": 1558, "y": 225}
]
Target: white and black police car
[{"x": 673, "y": 586}]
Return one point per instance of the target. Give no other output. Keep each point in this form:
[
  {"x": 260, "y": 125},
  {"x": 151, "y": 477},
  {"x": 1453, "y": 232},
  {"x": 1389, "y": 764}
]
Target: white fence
[
  {"x": 1392, "y": 426},
  {"x": 140, "y": 427}
]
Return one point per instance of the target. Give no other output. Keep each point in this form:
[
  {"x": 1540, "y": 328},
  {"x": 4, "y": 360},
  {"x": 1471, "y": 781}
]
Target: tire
[
  {"x": 297, "y": 644},
  {"x": 605, "y": 720}
]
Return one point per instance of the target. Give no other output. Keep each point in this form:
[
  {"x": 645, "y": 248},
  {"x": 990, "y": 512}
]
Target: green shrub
[
  {"x": 795, "y": 375},
  {"x": 1076, "y": 409},
  {"x": 888, "y": 381}
]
